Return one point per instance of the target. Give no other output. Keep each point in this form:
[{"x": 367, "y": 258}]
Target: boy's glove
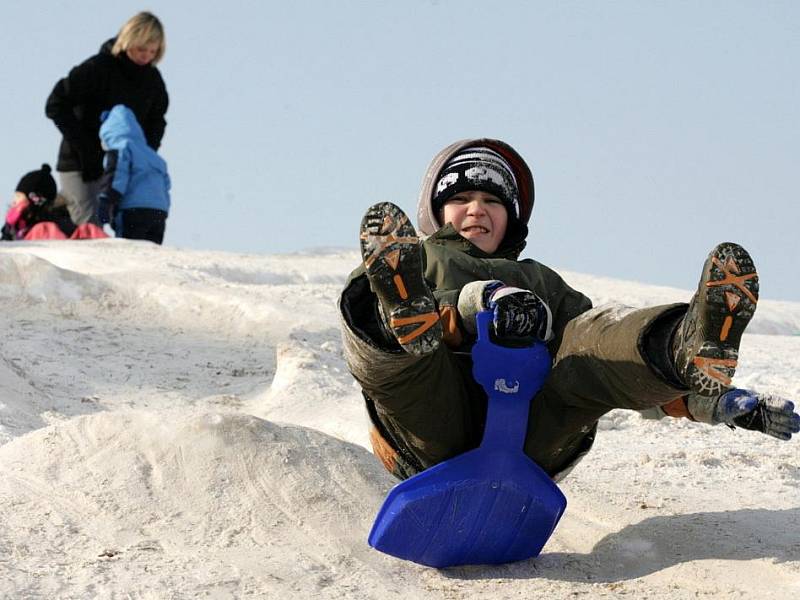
[
  {"x": 520, "y": 317},
  {"x": 105, "y": 208},
  {"x": 747, "y": 409}
]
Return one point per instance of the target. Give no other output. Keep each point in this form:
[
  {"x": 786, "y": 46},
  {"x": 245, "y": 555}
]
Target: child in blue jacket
[{"x": 134, "y": 195}]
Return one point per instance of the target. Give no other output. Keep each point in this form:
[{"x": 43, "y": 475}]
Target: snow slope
[{"x": 180, "y": 424}]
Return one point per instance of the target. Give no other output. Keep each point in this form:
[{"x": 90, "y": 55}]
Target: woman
[{"x": 123, "y": 72}]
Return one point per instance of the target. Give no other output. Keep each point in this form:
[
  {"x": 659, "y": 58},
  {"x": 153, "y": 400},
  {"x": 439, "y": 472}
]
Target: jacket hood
[
  {"x": 514, "y": 241},
  {"x": 106, "y": 47},
  {"x": 121, "y": 127}
]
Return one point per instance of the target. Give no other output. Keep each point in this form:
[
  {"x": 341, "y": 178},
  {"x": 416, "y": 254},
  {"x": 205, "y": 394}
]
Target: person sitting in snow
[
  {"x": 134, "y": 195},
  {"x": 36, "y": 202},
  {"x": 408, "y": 320}
]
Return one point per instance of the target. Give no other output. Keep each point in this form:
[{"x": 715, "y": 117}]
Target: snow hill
[{"x": 180, "y": 424}]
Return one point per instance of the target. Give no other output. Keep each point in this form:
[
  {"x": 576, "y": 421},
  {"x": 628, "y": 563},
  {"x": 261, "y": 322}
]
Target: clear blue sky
[{"x": 654, "y": 129}]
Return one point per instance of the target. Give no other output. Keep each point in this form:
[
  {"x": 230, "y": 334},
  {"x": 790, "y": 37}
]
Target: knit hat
[
  {"x": 38, "y": 185},
  {"x": 479, "y": 169}
]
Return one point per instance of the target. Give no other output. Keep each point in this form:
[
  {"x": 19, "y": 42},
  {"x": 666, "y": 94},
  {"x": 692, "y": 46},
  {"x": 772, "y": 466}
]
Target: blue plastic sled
[{"x": 490, "y": 505}]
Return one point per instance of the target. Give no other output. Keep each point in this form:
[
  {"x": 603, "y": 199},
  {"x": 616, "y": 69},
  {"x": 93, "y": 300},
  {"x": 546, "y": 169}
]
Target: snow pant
[
  {"x": 81, "y": 196},
  {"x": 426, "y": 409},
  {"x": 141, "y": 224},
  {"x": 48, "y": 230}
]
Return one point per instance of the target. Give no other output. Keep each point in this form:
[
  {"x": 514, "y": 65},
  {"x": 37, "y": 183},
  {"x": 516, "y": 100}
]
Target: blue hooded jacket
[{"x": 135, "y": 175}]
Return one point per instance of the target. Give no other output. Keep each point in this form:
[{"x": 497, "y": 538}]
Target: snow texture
[{"x": 181, "y": 424}]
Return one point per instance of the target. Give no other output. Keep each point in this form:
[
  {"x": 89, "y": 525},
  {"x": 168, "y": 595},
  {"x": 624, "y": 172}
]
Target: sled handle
[{"x": 511, "y": 378}]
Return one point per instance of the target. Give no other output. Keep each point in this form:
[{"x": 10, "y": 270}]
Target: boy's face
[{"x": 478, "y": 216}]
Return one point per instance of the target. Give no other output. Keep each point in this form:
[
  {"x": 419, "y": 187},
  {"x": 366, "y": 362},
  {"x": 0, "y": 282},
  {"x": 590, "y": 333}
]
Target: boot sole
[
  {"x": 726, "y": 301},
  {"x": 392, "y": 257}
]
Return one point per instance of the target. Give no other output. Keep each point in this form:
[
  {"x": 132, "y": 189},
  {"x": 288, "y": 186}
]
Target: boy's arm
[
  {"x": 117, "y": 172},
  {"x": 765, "y": 413},
  {"x": 519, "y": 318},
  {"x": 116, "y": 178}
]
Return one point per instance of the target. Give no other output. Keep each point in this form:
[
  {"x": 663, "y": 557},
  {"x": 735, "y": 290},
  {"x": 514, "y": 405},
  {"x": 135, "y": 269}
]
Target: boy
[
  {"x": 409, "y": 320},
  {"x": 134, "y": 195}
]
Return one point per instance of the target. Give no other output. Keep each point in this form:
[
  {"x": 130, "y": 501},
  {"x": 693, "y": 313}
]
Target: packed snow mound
[
  {"x": 182, "y": 424},
  {"x": 20, "y": 404},
  {"x": 313, "y": 362},
  {"x": 103, "y": 276},
  {"x": 28, "y": 278},
  {"x": 128, "y": 491}
]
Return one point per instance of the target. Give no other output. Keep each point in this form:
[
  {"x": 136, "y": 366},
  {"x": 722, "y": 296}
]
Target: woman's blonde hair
[{"x": 141, "y": 29}]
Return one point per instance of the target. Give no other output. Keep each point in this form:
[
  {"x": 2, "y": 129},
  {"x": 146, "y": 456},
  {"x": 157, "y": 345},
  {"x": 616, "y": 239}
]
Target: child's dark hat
[
  {"x": 39, "y": 183},
  {"x": 480, "y": 169}
]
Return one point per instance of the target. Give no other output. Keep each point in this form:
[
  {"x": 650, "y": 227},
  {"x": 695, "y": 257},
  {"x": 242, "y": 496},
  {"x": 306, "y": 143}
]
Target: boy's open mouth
[{"x": 474, "y": 229}]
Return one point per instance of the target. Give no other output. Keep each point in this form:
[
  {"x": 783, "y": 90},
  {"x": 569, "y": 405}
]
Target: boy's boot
[
  {"x": 393, "y": 260},
  {"x": 706, "y": 344}
]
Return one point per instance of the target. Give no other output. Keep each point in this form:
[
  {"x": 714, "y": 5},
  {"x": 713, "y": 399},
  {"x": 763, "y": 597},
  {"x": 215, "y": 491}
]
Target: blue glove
[
  {"x": 105, "y": 208},
  {"x": 520, "y": 316},
  {"x": 766, "y": 413}
]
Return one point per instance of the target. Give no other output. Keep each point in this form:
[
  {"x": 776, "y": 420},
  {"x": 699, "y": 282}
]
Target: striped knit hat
[{"x": 479, "y": 169}]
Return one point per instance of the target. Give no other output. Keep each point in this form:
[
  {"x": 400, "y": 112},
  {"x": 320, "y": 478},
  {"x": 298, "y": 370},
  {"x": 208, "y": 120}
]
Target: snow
[{"x": 181, "y": 424}]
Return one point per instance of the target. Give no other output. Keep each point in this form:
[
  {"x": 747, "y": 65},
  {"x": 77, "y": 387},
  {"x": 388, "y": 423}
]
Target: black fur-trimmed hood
[{"x": 515, "y": 239}]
